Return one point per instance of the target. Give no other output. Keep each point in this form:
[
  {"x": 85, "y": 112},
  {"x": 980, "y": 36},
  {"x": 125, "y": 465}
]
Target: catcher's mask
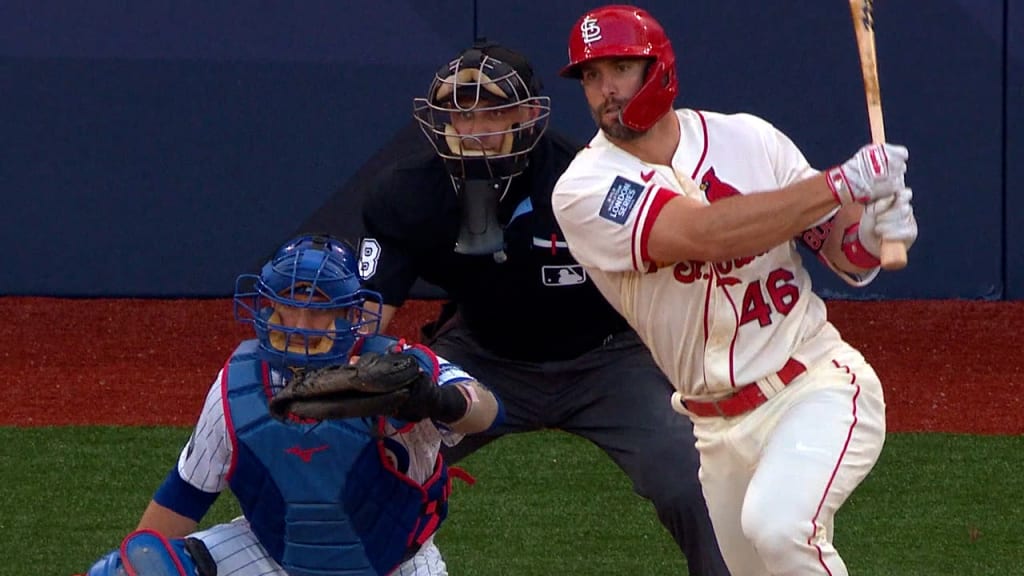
[
  {"x": 308, "y": 274},
  {"x": 485, "y": 81}
]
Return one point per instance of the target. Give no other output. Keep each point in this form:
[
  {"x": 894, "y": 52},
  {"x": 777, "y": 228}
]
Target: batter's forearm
[
  {"x": 750, "y": 224},
  {"x": 754, "y": 223},
  {"x": 738, "y": 226}
]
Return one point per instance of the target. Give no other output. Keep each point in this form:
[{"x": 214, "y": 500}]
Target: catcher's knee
[
  {"x": 147, "y": 553},
  {"x": 109, "y": 565}
]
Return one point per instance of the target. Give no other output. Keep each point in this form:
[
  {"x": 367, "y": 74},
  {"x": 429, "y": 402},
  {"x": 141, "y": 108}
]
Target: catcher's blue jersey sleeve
[{"x": 183, "y": 498}]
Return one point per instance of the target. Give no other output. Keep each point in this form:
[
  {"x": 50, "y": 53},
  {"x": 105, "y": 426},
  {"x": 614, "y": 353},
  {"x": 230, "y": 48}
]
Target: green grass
[{"x": 545, "y": 503}]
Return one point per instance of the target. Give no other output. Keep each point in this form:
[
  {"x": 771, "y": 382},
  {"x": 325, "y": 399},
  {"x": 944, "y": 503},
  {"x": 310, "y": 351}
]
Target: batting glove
[
  {"x": 889, "y": 218},
  {"x": 875, "y": 172}
]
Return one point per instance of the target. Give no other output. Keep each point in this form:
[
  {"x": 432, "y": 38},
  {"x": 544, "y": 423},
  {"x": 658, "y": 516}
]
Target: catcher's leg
[
  {"x": 426, "y": 562},
  {"x": 236, "y": 549},
  {"x": 147, "y": 553},
  {"x": 109, "y": 565}
]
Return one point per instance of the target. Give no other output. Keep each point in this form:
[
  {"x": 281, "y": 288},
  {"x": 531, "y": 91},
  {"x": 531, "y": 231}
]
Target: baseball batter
[
  {"x": 472, "y": 215},
  {"x": 686, "y": 222},
  {"x": 359, "y": 497}
]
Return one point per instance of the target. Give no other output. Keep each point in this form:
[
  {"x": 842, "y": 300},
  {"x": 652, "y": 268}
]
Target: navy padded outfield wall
[
  {"x": 1013, "y": 189},
  {"x": 159, "y": 149}
]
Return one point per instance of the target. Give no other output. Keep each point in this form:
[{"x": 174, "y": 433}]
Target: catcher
[{"x": 327, "y": 433}]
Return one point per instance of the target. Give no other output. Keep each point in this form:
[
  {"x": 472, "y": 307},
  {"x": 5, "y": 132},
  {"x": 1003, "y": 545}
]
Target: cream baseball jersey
[{"x": 711, "y": 326}]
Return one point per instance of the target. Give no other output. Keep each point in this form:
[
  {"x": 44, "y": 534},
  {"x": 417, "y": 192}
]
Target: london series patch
[{"x": 621, "y": 198}]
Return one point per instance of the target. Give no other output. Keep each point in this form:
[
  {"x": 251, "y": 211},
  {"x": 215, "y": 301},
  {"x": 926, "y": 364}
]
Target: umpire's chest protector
[{"x": 319, "y": 496}]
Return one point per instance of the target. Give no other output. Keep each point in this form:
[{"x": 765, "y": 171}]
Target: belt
[{"x": 746, "y": 398}]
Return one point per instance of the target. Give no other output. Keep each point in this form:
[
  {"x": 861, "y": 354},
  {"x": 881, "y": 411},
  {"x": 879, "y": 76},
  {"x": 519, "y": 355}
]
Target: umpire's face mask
[{"x": 479, "y": 230}]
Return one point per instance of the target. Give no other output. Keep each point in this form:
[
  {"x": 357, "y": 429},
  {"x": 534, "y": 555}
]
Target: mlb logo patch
[
  {"x": 563, "y": 275},
  {"x": 621, "y": 198}
]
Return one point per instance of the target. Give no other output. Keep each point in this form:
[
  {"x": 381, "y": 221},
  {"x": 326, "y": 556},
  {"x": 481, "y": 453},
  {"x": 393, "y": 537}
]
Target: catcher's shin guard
[
  {"x": 147, "y": 553},
  {"x": 109, "y": 565}
]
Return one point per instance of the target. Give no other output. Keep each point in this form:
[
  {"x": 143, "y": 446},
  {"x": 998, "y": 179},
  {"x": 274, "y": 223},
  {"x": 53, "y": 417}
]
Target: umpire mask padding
[{"x": 483, "y": 79}]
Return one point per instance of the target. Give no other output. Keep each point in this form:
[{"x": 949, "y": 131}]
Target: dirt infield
[{"x": 951, "y": 366}]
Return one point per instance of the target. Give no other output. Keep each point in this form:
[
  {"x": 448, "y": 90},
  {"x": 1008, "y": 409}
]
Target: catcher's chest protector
[{"x": 320, "y": 497}]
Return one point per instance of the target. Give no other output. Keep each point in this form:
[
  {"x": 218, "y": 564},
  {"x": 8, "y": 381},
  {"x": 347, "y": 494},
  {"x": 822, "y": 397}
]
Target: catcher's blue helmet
[{"x": 309, "y": 272}]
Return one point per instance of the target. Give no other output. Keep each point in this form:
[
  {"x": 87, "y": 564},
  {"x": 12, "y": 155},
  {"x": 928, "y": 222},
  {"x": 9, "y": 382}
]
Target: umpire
[{"x": 473, "y": 216}]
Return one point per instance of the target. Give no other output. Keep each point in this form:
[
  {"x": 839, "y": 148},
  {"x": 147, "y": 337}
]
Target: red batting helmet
[{"x": 621, "y": 31}]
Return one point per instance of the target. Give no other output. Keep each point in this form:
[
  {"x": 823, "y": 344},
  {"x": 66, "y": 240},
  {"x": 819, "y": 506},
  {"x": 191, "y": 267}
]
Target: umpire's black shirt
[{"x": 538, "y": 305}]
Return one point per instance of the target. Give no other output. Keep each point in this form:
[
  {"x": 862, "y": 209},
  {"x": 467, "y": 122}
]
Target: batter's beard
[{"x": 615, "y": 129}]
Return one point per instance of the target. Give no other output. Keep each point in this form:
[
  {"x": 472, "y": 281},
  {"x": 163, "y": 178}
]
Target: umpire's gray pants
[{"x": 616, "y": 397}]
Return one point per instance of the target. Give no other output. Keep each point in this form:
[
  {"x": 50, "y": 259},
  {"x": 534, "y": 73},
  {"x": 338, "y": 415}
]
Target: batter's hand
[
  {"x": 889, "y": 218},
  {"x": 875, "y": 172}
]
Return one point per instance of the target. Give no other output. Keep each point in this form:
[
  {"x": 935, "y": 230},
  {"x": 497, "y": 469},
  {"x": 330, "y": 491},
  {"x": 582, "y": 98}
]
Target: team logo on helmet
[
  {"x": 620, "y": 31},
  {"x": 590, "y": 31}
]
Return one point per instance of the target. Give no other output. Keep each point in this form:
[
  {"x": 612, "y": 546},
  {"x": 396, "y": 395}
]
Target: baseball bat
[{"x": 894, "y": 253}]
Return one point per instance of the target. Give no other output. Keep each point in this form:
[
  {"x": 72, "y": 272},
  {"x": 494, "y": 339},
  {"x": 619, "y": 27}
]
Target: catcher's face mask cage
[
  {"x": 313, "y": 274},
  {"x": 486, "y": 81}
]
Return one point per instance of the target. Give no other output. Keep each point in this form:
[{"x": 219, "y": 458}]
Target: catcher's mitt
[{"x": 376, "y": 385}]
